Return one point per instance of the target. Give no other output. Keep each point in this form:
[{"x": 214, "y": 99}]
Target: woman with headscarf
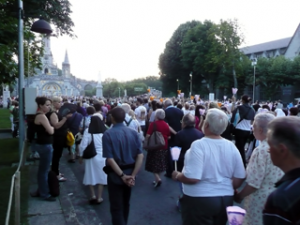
[
  {"x": 279, "y": 113},
  {"x": 94, "y": 174}
]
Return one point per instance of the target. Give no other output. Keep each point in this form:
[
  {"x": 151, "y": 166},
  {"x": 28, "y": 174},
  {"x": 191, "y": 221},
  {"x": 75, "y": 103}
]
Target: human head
[
  {"x": 43, "y": 103},
  {"x": 117, "y": 114},
  {"x": 97, "y": 107},
  {"x": 213, "y": 105},
  {"x": 160, "y": 114},
  {"x": 260, "y": 124},
  {"x": 279, "y": 113},
  {"x": 167, "y": 103},
  {"x": 179, "y": 106},
  {"x": 96, "y": 125},
  {"x": 186, "y": 106},
  {"x": 294, "y": 111},
  {"x": 216, "y": 121},
  {"x": 283, "y": 138},
  {"x": 90, "y": 110},
  {"x": 131, "y": 113},
  {"x": 56, "y": 102},
  {"x": 153, "y": 105},
  {"x": 246, "y": 99},
  {"x": 188, "y": 120},
  {"x": 139, "y": 101},
  {"x": 126, "y": 107}
]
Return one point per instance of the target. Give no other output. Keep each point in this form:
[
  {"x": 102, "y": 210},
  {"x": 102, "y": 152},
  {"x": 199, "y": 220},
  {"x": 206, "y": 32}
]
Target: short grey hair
[
  {"x": 217, "y": 120},
  {"x": 286, "y": 130},
  {"x": 160, "y": 114},
  {"x": 262, "y": 120},
  {"x": 188, "y": 120},
  {"x": 126, "y": 107},
  {"x": 168, "y": 102}
]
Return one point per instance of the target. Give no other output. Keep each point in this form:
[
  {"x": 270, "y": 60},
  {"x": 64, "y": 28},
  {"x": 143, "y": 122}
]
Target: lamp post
[
  {"x": 119, "y": 93},
  {"x": 177, "y": 84},
  {"x": 254, "y": 61},
  {"x": 39, "y": 26},
  {"x": 191, "y": 78}
]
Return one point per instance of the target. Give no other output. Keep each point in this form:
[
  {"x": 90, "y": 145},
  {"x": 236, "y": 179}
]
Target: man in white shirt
[
  {"x": 128, "y": 119},
  {"x": 213, "y": 169},
  {"x": 141, "y": 114}
]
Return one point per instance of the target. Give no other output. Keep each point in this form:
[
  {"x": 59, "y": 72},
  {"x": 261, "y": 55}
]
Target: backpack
[
  {"x": 128, "y": 123},
  {"x": 53, "y": 184}
]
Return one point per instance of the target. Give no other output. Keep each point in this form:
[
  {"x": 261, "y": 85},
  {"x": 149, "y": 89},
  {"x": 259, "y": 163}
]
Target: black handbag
[{"x": 90, "y": 150}]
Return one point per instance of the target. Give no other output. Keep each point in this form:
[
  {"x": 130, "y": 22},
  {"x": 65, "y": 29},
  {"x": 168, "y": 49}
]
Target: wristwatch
[{"x": 122, "y": 175}]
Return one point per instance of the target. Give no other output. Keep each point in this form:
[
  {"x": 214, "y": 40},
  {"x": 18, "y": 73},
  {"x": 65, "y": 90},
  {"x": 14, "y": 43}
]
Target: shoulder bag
[
  {"x": 155, "y": 141},
  {"x": 90, "y": 150}
]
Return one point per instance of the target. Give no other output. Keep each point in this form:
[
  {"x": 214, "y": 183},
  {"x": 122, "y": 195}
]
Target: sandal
[
  {"x": 62, "y": 179},
  {"x": 93, "y": 200},
  {"x": 99, "y": 201}
]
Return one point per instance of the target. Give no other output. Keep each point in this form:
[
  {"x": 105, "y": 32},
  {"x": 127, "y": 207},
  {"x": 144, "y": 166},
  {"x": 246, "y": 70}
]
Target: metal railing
[{"x": 15, "y": 184}]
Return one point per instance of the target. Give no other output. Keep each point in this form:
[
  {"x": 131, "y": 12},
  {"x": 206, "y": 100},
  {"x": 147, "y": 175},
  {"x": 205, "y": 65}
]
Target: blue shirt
[{"x": 122, "y": 144}]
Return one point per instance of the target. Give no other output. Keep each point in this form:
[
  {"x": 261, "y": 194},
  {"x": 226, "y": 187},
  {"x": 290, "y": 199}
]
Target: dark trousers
[
  {"x": 119, "y": 197},
  {"x": 241, "y": 137},
  {"x": 58, "y": 147},
  {"x": 16, "y": 129},
  {"x": 205, "y": 210},
  {"x": 170, "y": 164}
]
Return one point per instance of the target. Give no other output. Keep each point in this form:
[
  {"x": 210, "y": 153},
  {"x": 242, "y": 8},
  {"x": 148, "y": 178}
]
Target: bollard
[{"x": 17, "y": 197}]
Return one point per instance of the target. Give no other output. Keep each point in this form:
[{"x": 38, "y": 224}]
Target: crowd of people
[{"x": 216, "y": 165}]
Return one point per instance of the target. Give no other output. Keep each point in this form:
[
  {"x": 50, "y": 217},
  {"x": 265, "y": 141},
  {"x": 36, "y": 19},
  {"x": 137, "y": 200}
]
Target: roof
[
  {"x": 277, "y": 44},
  {"x": 66, "y": 58}
]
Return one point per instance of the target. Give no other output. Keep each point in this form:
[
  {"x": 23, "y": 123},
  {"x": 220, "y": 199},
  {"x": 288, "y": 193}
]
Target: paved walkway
[{"x": 148, "y": 205}]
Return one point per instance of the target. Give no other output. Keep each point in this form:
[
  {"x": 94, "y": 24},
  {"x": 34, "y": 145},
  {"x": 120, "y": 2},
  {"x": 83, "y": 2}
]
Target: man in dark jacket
[
  {"x": 186, "y": 137},
  {"x": 173, "y": 118},
  {"x": 283, "y": 204}
]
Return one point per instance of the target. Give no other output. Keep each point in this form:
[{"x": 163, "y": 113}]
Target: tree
[
  {"x": 170, "y": 60},
  {"x": 56, "y": 12}
]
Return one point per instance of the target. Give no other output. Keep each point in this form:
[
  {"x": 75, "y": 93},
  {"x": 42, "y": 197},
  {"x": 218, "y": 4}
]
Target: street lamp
[
  {"x": 191, "y": 78},
  {"x": 40, "y": 26},
  {"x": 119, "y": 93},
  {"x": 177, "y": 84},
  {"x": 254, "y": 61}
]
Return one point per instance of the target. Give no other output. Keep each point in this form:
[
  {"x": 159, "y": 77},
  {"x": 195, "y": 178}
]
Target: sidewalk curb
[{"x": 73, "y": 199}]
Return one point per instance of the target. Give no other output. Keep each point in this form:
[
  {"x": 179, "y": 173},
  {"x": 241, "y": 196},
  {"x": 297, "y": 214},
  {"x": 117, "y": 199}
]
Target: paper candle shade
[
  {"x": 175, "y": 152},
  {"x": 151, "y": 98},
  {"x": 178, "y": 91},
  {"x": 234, "y": 90},
  {"x": 235, "y": 215},
  {"x": 161, "y": 100},
  {"x": 201, "y": 111},
  {"x": 181, "y": 95},
  {"x": 197, "y": 97},
  {"x": 225, "y": 97},
  {"x": 192, "y": 97}
]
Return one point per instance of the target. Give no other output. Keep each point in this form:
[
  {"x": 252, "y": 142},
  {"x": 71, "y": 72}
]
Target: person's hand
[
  {"x": 174, "y": 175},
  {"x": 237, "y": 197},
  {"x": 69, "y": 115},
  {"x": 80, "y": 160},
  {"x": 128, "y": 180}
]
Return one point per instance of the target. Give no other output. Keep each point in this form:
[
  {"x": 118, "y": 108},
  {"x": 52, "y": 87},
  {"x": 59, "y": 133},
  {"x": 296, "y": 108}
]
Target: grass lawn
[
  {"x": 8, "y": 155},
  {"x": 4, "y": 119}
]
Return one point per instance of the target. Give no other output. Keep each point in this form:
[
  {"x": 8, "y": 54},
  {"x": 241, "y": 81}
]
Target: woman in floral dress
[{"x": 261, "y": 174}]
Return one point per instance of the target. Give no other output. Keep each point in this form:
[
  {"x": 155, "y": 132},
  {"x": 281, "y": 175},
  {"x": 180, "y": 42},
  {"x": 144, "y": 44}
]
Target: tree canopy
[
  {"x": 56, "y": 12},
  {"x": 208, "y": 50}
]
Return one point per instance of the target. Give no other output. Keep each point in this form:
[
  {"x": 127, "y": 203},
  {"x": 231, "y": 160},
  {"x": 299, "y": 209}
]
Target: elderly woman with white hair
[
  {"x": 261, "y": 173},
  {"x": 156, "y": 161},
  {"x": 213, "y": 169}
]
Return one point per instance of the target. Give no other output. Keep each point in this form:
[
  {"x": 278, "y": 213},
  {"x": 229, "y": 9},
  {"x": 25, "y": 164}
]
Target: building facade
[
  {"x": 289, "y": 48},
  {"x": 51, "y": 81}
]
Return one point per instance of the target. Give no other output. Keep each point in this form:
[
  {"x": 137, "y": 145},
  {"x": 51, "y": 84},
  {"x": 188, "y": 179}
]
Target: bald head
[
  {"x": 286, "y": 131},
  {"x": 188, "y": 120}
]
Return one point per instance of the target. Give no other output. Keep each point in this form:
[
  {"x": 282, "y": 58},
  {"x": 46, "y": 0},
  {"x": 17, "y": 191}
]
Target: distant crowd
[{"x": 231, "y": 151}]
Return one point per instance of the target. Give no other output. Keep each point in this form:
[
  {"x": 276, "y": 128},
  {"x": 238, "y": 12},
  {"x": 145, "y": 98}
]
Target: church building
[{"x": 51, "y": 81}]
